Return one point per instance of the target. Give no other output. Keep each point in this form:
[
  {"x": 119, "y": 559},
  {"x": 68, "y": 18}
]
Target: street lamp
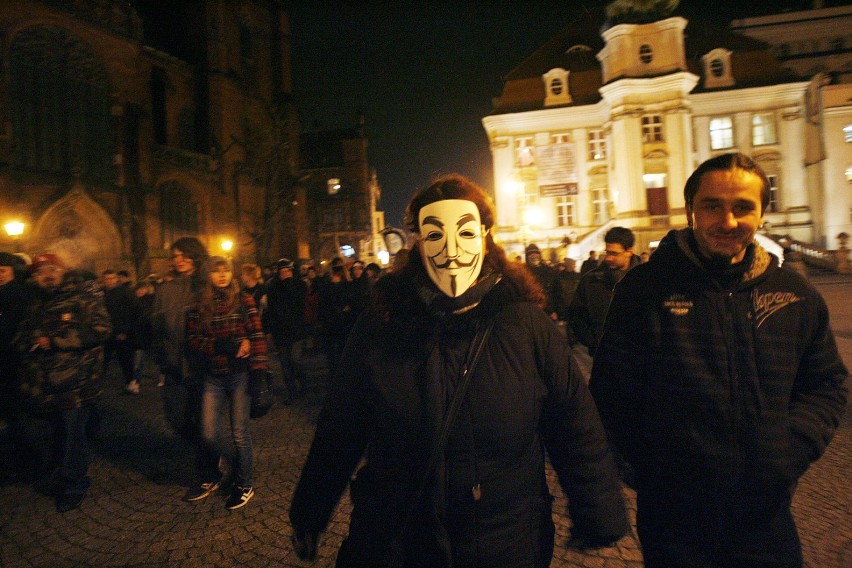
[
  {"x": 227, "y": 246},
  {"x": 15, "y": 229}
]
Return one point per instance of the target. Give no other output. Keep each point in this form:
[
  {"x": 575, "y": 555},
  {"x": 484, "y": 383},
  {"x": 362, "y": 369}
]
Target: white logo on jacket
[
  {"x": 770, "y": 302},
  {"x": 678, "y": 304}
]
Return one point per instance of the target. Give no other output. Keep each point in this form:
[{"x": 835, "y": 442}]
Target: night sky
[{"x": 423, "y": 73}]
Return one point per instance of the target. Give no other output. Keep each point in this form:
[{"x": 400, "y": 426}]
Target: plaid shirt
[{"x": 228, "y": 323}]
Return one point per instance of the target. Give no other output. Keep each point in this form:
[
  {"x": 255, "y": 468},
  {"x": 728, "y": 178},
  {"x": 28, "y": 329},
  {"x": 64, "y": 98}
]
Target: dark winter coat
[
  {"x": 711, "y": 389},
  {"x": 526, "y": 395},
  {"x": 67, "y": 374},
  {"x": 123, "y": 312},
  {"x": 284, "y": 316},
  {"x": 587, "y": 311}
]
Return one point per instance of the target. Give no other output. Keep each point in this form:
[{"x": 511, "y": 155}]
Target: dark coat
[
  {"x": 68, "y": 373},
  {"x": 526, "y": 395},
  {"x": 124, "y": 314},
  {"x": 284, "y": 316},
  {"x": 714, "y": 390},
  {"x": 587, "y": 311}
]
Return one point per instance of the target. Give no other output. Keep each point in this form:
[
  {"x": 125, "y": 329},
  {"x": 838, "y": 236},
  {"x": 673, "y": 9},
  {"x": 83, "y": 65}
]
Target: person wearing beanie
[
  {"x": 61, "y": 342},
  {"x": 544, "y": 275},
  {"x": 285, "y": 321},
  {"x": 223, "y": 328}
]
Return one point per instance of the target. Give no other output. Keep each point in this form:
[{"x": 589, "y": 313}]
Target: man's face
[
  {"x": 452, "y": 241},
  {"x": 110, "y": 281},
  {"x": 617, "y": 257},
  {"x": 48, "y": 276},
  {"x": 182, "y": 264},
  {"x": 726, "y": 213},
  {"x": 534, "y": 258},
  {"x": 7, "y": 274},
  {"x": 285, "y": 273},
  {"x": 247, "y": 280}
]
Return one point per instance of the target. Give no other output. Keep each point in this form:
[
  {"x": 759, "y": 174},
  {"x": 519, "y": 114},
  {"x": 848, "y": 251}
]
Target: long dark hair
[
  {"x": 456, "y": 186},
  {"x": 192, "y": 247},
  {"x": 208, "y": 294}
]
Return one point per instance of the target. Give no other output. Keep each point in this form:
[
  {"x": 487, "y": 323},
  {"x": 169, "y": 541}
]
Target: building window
[
  {"x": 561, "y": 138},
  {"x": 333, "y": 186},
  {"x": 652, "y": 128},
  {"x": 556, "y": 85},
  {"x": 847, "y": 132},
  {"x": 178, "y": 212},
  {"x": 721, "y": 133},
  {"x": 646, "y": 54},
  {"x": 717, "y": 68},
  {"x": 597, "y": 145},
  {"x": 600, "y": 205},
  {"x": 565, "y": 211},
  {"x": 524, "y": 152},
  {"x": 772, "y": 206},
  {"x": 59, "y": 105},
  {"x": 763, "y": 129}
]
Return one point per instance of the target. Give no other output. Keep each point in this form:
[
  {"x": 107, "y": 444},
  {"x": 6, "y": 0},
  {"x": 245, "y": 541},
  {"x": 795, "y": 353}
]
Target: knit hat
[
  {"x": 531, "y": 248},
  {"x": 9, "y": 259},
  {"x": 284, "y": 263},
  {"x": 45, "y": 259}
]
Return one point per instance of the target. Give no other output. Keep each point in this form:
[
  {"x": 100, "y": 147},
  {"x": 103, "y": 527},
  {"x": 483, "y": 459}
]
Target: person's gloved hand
[
  {"x": 305, "y": 545},
  {"x": 225, "y": 346}
]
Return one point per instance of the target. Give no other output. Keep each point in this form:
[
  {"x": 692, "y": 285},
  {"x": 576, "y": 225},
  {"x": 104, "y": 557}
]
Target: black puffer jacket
[
  {"x": 717, "y": 389},
  {"x": 526, "y": 394}
]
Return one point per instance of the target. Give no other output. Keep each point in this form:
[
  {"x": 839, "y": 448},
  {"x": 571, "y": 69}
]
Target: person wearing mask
[
  {"x": 589, "y": 306},
  {"x": 469, "y": 490},
  {"x": 61, "y": 341},
  {"x": 719, "y": 380},
  {"x": 224, "y": 329}
]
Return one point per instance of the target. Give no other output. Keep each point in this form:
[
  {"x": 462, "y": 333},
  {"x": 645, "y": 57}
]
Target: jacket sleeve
[
  {"x": 95, "y": 325},
  {"x": 819, "y": 395},
  {"x": 254, "y": 331},
  {"x": 578, "y": 316},
  {"x": 339, "y": 442},
  {"x": 618, "y": 367},
  {"x": 196, "y": 338},
  {"x": 577, "y": 445}
]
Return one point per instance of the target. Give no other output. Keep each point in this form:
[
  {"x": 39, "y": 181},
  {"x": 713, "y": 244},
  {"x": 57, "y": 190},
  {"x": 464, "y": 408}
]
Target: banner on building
[{"x": 557, "y": 170}]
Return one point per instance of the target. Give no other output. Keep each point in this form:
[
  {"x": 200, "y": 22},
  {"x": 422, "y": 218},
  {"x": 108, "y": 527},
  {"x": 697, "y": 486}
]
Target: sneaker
[
  {"x": 239, "y": 497},
  {"x": 132, "y": 387},
  {"x": 161, "y": 382},
  {"x": 201, "y": 491}
]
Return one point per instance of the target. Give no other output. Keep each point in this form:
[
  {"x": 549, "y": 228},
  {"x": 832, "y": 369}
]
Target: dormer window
[
  {"x": 646, "y": 54},
  {"x": 717, "y": 69},
  {"x": 556, "y": 87}
]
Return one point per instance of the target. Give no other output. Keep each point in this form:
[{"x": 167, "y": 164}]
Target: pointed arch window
[
  {"x": 59, "y": 103},
  {"x": 178, "y": 212}
]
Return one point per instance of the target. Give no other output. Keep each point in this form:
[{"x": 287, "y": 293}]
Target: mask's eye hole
[
  {"x": 467, "y": 234},
  {"x": 434, "y": 236}
]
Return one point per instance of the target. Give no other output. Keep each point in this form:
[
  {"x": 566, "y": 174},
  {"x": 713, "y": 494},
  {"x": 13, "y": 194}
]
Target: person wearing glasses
[{"x": 587, "y": 312}]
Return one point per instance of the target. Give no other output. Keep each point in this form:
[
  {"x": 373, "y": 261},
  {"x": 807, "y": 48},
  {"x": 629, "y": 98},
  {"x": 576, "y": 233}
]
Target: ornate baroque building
[
  {"x": 604, "y": 123},
  {"x": 112, "y": 147}
]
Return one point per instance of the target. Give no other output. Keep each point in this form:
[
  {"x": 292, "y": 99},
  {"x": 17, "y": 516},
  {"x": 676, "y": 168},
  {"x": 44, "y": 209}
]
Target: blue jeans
[
  {"x": 60, "y": 441},
  {"x": 231, "y": 392}
]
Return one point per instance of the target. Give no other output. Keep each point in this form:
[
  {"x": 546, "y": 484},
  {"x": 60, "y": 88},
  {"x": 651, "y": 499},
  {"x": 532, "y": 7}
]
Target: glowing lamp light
[
  {"x": 511, "y": 187},
  {"x": 14, "y": 228},
  {"x": 533, "y": 216},
  {"x": 384, "y": 256},
  {"x": 227, "y": 245}
]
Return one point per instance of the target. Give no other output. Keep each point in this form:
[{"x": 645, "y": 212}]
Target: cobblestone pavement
[{"x": 133, "y": 515}]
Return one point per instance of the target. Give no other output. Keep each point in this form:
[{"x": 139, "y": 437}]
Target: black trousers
[{"x": 718, "y": 531}]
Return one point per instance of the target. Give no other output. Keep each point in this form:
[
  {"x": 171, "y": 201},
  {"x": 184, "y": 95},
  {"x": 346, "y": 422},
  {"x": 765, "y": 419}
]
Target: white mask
[{"x": 452, "y": 243}]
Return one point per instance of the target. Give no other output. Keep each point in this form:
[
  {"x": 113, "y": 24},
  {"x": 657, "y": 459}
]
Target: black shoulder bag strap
[{"x": 474, "y": 351}]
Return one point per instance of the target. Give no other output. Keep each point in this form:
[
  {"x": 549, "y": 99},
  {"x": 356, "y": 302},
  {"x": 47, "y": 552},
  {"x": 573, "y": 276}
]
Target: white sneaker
[{"x": 161, "y": 382}]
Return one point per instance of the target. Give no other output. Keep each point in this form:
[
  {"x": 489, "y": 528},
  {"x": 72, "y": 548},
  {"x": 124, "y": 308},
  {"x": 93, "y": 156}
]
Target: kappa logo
[
  {"x": 678, "y": 304},
  {"x": 770, "y": 302}
]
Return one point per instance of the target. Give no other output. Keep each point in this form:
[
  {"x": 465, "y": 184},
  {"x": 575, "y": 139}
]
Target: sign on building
[{"x": 557, "y": 170}]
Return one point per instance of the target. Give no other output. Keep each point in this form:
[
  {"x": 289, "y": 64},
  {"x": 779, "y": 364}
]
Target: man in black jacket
[
  {"x": 285, "y": 320},
  {"x": 587, "y": 312},
  {"x": 719, "y": 379}
]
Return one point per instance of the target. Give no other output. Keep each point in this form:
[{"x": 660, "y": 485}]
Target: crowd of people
[{"x": 715, "y": 382}]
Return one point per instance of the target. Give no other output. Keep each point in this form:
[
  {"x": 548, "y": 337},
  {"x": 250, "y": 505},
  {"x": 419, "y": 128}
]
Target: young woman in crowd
[{"x": 224, "y": 328}]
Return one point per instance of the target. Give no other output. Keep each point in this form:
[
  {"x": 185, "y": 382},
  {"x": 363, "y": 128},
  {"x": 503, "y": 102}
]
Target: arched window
[
  {"x": 178, "y": 212},
  {"x": 59, "y": 105}
]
